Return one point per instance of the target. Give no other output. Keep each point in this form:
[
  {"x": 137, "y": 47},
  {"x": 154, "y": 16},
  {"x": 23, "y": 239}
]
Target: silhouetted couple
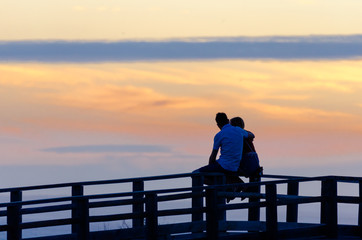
[{"x": 231, "y": 140}]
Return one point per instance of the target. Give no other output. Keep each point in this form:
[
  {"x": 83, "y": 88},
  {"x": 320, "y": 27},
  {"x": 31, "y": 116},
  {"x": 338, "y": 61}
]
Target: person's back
[
  {"x": 230, "y": 140},
  {"x": 249, "y": 145},
  {"x": 249, "y": 163}
]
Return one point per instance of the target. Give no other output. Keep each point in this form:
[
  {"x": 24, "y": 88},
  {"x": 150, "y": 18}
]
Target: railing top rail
[
  {"x": 286, "y": 179},
  {"x": 97, "y": 182},
  {"x": 347, "y": 179},
  {"x": 337, "y": 178},
  {"x": 173, "y": 190},
  {"x": 281, "y": 176},
  {"x": 104, "y": 182},
  {"x": 124, "y": 180}
]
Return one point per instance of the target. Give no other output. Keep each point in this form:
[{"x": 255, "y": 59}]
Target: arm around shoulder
[{"x": 250, "y": 135}]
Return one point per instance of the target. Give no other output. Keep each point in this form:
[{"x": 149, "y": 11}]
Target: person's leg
[
  {"x": 211, "y": 168},
  {"x": 232, "y": 178}
]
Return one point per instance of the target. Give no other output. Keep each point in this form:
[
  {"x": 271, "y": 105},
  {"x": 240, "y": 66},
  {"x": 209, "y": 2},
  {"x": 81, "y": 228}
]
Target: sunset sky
[{"x": 115, "y": 89}]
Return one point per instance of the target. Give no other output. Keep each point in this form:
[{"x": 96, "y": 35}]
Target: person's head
[
  {"x": 237, "y": 122},
  {"x": 221, "y": 119}
]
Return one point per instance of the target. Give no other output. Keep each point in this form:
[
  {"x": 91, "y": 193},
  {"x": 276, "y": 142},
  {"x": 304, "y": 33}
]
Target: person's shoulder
[
  {"x": 218, "y": 134},
  {"x": 243, "y": 132},
  {"x": 239, "y": 129},
  {"x": 225, "y": 129}
]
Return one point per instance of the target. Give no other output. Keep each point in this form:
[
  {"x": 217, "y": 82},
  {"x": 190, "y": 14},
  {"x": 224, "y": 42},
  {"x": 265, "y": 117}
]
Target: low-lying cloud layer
[{"x": 306, "y": 47}]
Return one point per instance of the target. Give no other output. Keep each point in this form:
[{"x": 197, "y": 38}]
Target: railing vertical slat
[
  {"x": 77, "y": 190},
  {"x": 324, "y": 194},
  {"x": 254, "y": 212},
  {"x": 80, "y": 213},
  {"x": 151, "y": 216},
  {"x": 329, "y": 207},
  {"x": 83, "y": 218},
  {"x": 292, "y": 209},
  {"x": 197, "y": 199},
  {"x": 271, "y": 212},
  {"x": 360, "y": 209},
  {"x": 14, "y": 217},
  {"x": 221, "y": 180},
  {"x": 138, "y": 207},
  {"x": 212, "y": 221}
]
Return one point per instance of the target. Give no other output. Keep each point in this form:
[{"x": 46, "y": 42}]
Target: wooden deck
[{"x": 206, "y": 209}]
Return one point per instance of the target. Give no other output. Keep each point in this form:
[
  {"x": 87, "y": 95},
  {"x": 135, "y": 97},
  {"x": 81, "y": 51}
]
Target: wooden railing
[{"x": 207, "y": 211}]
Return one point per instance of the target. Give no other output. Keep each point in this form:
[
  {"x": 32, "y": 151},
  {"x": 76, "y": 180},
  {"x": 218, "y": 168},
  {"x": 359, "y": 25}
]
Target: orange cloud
[
  {"x": 175, "y": 102},
  {"x": 10, "y": 130},
  {"x": 125, "y": 98}
]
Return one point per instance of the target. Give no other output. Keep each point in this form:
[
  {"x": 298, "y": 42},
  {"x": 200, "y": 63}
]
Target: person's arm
[
  {"x": 215, "y": 148},
  {"x": 250, "y": 135},
  {"x": 213, "y": 155}
]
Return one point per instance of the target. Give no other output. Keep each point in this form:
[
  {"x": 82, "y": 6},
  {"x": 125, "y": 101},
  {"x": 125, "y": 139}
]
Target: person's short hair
[
  {"x": 221, "y": 119},
  {"x": 237, "y": 122}
]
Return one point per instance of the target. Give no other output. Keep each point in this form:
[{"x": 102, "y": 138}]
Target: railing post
[
  {"x": 77, "y": 190},
  {"x": 14, "y": 217},
  {"x": 197, "y": 199},
  {"x": 137, "y": 207},
  {"x": 221, "y": 180},
  {"x": 151, "y": 216},
  {"x": 324, "y": 195},
  {"x": 212, "y": 221},
  {"x": 360, "y": 209},
  {"x": 292, "y": 208},
  {"x": 271, "y": 212},
  {"x": 329, "y": 207},
  {"x": 83, "y": 218},
  {"x": 254, "y": 212},
  {"x": 80, "y": 213}
]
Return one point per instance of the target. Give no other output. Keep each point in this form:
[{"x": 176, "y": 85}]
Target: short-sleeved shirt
[{"x": 231, "y": 140}]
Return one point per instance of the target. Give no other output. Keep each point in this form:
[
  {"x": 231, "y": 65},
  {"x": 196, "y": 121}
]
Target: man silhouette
[{"x": 230, "y": 141}]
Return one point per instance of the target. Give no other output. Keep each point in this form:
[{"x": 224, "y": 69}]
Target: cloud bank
[{"x": 288, "y": 48}]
